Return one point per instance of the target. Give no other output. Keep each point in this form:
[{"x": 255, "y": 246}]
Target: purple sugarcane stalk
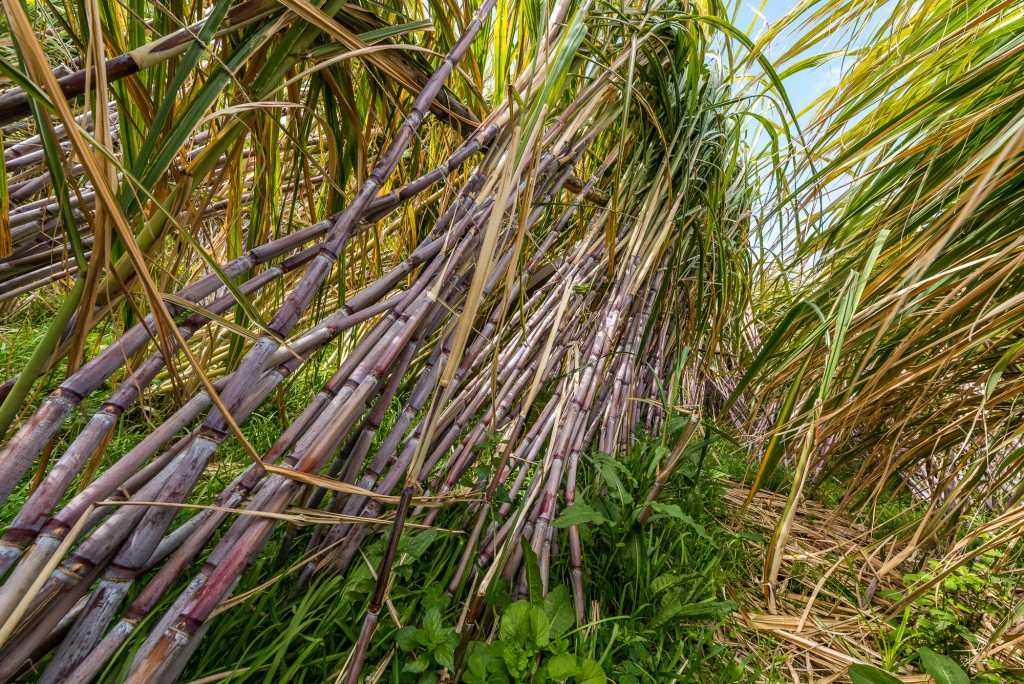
[
  {"x": 16, "y": 457},
  {"x": 214, "y": 427}
]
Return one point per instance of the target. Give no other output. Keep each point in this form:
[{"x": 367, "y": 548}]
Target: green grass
[{"x": 659, "y": 596}]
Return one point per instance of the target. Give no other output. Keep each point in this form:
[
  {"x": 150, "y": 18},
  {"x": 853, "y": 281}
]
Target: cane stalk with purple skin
[
  {"x": 369, "y": 294},
  {"x": 143, "y": 552},
  {"x": 308, "y": 455},
  {"x": 16, "y": 456},
  {"x": 298, "y": 447},
  {"x": 585, "y": 359},
  {"x": 122, "y": 522}
]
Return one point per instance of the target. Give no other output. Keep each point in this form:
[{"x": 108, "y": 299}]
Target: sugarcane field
[{"x": 512, "y": 341}]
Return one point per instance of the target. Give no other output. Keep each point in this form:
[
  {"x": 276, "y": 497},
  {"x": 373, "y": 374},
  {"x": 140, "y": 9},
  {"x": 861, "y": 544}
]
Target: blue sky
[{"x": 802, "y": 87}]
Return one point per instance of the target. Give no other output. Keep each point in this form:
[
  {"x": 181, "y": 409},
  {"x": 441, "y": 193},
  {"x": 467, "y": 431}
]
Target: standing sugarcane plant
[{"x": 895, "y": 362}]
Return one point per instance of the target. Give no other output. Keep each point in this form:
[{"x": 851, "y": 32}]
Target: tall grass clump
[{"x": 894, "y": 362}]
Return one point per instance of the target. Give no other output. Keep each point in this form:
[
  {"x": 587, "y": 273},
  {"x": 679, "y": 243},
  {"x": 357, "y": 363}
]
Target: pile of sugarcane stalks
[
  {"x": 528, "y": 315},
  {"x": 40, "y": 254}
]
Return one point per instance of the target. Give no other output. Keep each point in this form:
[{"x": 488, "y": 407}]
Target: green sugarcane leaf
[
  {"x": 812, "y": 62},
  {"x": 396, "y": 30},
  {"x": 772, "y": 345},
  {"x": 184, "y": 69},
  {"x": 1004, "y": 361},
  {"x": 777, "y": 442}
]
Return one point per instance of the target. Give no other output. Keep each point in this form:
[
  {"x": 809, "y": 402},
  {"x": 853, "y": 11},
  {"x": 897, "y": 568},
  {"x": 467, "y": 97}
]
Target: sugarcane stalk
[
  {"x": 354, "y": 455},
  {"x": 308, "y": 456},
  {"x": 102, "y": 423},
  {"x": 123, "y": 522},
  {"x": 355, "y": 663},
  {"x": 135, "y": 559},
  {"x": 14, "y": 104},
  {"x": 82, "y": 641},
  {"x": 345, "y": 552},
  {"x": 33, "y": 144},
  {"x": 350, "y": 505}
]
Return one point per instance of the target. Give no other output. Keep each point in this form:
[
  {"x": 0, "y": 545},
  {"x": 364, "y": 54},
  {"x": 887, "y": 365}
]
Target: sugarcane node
[
  {"x": 76, "y": 570},
  {"x": 17, "y": 538},
  {"x": 66, "y": 395},
  {"x": 111, "y": 409},
  {"x": 119, "y": 573},
  {"x": 212, "y": 434}
]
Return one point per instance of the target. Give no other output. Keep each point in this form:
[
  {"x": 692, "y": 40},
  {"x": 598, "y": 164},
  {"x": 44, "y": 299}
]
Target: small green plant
[
  {"x": 869, "y": 674},
  {"x": 533, "y": 645},
  {"x": 947, "y": 617},
  {"x": 430, "y": 646},
  {"x": 664, "y": 581},
  {"x": 943, "y": 669},
  {"x": 941, "y": 624}
]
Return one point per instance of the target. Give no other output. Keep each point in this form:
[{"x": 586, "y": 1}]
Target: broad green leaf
[
  {"x": 485, "y": 664},
  {"x": 591, "y": 673},
  {"x": 944, "y": 669},
  {"x": 524, "y": 625},
  {"x": 563, "y": 666},
  {"x": 868, "y": 674},
  {"x": 406, "y": 638},
  {"x": 421, "y": 663},
  {"x": 578, "y": 514},
  {"x": 672, "y": 608},
  {"x": 432, "y": 626},
  {"x": 559, "y": 610},
  {"x": 635, "y": 548}
]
